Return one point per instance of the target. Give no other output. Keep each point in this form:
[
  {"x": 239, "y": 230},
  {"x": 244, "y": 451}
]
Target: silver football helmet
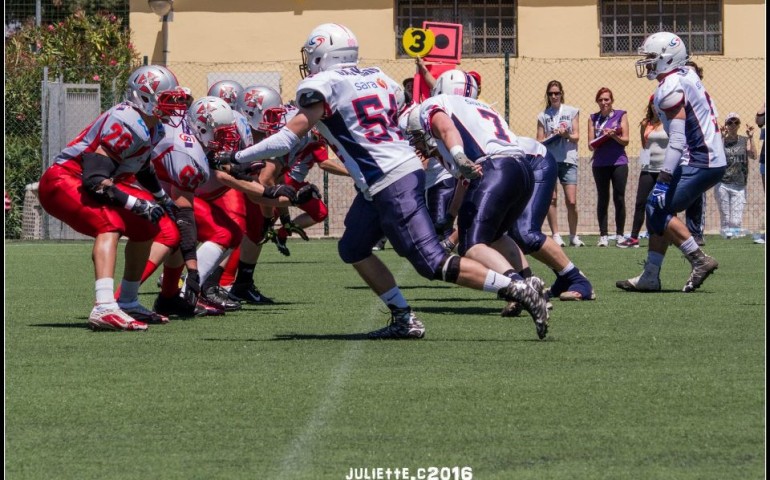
[
  {"x": 155, "y": 91},
  {"x": 456, "y": 82},
  {"x": 418, "y": 138},
  {"x": 228, "y": 90},
  {"x": 663, "y": 52},
  {"x": 255, "y": 101},
  {"x": 213, "y": 123},
  {"x": 329, "y": 46}
]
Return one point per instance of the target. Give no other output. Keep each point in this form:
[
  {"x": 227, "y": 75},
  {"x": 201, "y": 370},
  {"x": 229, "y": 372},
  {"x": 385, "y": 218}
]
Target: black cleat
[{"x": 247, "y": 292}]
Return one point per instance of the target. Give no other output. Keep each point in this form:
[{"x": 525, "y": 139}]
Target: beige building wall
[{"x": 557, "y": 39}]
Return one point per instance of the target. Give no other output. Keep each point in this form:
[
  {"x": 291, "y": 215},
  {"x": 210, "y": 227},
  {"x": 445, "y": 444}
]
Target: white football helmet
[
  {"x": 663, "y": 52},
  {"x": 417, "y": 137},
  {"x": 155, "y": 91},
  {"x": 329, "y": 46},
  {"x": 456, "y": 82},
  {"x": 255, "y": 101},
  {"x": 213, "y": 123},
  {"x": 228, "y": 90}
]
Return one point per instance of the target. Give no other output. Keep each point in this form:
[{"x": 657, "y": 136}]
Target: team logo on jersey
[
  {"x": 148, "y": 82},
  {"x": 382, "y": 83},
  {"x": 188, "y": 140}
]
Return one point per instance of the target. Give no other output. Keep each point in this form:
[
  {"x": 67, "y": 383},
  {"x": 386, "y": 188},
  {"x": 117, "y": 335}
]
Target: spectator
[
  {"x": 654, "y": 142},
  {"x": 760, "y": 119},
  {"x": 608, "y": 137},
  {"x": 558, "y": 130},
  {"x": 730, "y": 192}
]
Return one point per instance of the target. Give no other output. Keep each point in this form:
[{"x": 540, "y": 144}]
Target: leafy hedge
[{"x": 91, "y": 48}]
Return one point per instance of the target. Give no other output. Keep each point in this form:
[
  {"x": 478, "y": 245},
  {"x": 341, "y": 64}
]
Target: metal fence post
[
  {"x": 326, "y": 201},
  {"x": 507, "y": 83},
  {"x": 44, "y": 137}
]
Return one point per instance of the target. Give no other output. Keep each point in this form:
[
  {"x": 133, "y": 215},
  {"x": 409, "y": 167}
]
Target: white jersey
[
  {"x": 705, "y": 148},
  {"x": 244, "y": 129},
  {"x": 361, "y": 124},
  {"x": 435, "y": 172},
  {"x": 179, "y": 159},
  {"x": 122, "y": 134},
  {"x": 483, "y": 131}
]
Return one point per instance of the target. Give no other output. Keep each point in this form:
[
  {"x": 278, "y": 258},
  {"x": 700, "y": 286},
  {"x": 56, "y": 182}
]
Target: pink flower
[
  {"x": 113, "y": 62},
  {"x": 113, "y": 18},
  {"x": 21, "y": 117},
  {"x": 96, "y": 78},
  {"x": 104, "y": 56},
  {"x": 51, "y": 28}
]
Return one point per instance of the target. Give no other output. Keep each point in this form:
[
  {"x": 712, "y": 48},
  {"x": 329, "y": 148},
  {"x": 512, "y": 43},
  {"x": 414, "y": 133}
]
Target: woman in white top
[
  {"x": 557, "y": 129},
  {"x": 654, "y": 143}
]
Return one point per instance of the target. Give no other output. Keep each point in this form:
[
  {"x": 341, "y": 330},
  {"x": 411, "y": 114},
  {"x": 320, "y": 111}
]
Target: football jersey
[
  {"x": 179, "y": 159},
  {"x": 360, "y": 124},
  {"x": 435, "y": 172},
  {"x": 122, "y": 134},
  {"x": 704, "y": 141},
  {"x": 482, "y": 129},
  {"x": 244, "y": 129}
]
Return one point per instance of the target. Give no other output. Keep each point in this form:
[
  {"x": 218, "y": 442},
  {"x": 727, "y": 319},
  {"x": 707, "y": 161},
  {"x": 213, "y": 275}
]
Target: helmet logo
[
  {"x": 148, "y": 82},
  {"x": 316, "y": 41},
  {"x": 203, "y": 111},
  {"x": 227, "y": 93},
  {"x": 674, "y": 42},
  {"x": 254, "y": 99}
]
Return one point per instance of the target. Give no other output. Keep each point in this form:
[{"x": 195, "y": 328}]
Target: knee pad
[
  {"x": 450, "y": 269},
  {"x": 530, "y": 241}
]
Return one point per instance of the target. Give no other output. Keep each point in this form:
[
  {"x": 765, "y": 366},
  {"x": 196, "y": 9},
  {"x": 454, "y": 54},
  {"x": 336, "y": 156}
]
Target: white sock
[
  {"x": 209, "y": 255},
  {"x": 394, "y": 297},
  {"x": 105, "y": 292},
  {"x": 495, "y": 281},
  {"x": 129, "y": 292},
  {"x": 689, "y": 246},
  {"x": 567, "y": 269}
]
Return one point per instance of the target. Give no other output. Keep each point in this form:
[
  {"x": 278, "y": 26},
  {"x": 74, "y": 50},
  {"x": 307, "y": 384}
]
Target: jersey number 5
[{"x": 377, "y": 121}]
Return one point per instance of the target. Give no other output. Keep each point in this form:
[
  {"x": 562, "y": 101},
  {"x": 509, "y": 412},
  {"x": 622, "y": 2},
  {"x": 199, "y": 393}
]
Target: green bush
[{"x": 92, "y": 48}]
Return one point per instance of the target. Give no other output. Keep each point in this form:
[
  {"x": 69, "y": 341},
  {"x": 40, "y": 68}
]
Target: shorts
[{"x": 568, "y": 173}]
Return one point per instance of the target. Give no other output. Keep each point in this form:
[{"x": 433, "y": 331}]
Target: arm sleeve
[
  {"x": 676, "y": 145},
  {"x": 275, "y": 145},
  {"x": 96, "y": 169},
  {"x": 148, "y": 179}
]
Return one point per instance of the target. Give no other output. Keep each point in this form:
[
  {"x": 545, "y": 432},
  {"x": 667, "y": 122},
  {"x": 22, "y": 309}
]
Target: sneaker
[
  {"x": 619, "y": 239},
  {"x": 557, "y": 238},
  {"x": 281, "y": 244},
  {"x": 138, "y": 312},
  {"x": 630, "y": 242},
  {"x": 176, "y": 305},
  {"x": 113, "y": 318},
  {"x": 531, "y": 299},
  {"x": 576, "y": 241},
  {"x": 759, "y": 239},
  {"x": 603, "y": 241},
  {"x": 379, "y": 246},
  {"x": 403, "y": 324},
  {"x": 209, "y": 309},
  {"x": 648, "y": 281},
  {"x": 218, "y": 296},
  {"x": 247, "y": 292},
  {"x": 702, "y": 267}
]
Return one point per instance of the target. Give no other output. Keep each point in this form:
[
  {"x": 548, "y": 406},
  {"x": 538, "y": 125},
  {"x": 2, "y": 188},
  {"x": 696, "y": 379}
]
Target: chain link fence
[{"x": 515, "y": 87}]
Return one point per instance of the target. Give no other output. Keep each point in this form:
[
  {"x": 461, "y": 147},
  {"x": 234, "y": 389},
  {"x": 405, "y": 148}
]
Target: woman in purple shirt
[{"x": 608, "y": 137}]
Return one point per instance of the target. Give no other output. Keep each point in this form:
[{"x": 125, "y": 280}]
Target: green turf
[{"x": 636, "y": 386}]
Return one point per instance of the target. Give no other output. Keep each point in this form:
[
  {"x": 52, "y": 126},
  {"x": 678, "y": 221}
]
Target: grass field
[{"x": 636, "y": 386}]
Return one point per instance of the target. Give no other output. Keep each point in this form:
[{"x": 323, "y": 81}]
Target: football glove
[
  {"x": 192, "y": 288},
  {"x": 658, "y": 196},
  {"x": 292, "y": 228},
  {"x": 218, "y": 158},
  {"x": 168, "y": 206},
  {"x": 466, "y": 166},
  {"x": 148, "y": 210},
  {"x": 275, "y": 191},
  {"x": 306, "y": 193},
  {"x": 244, "y": 171}
]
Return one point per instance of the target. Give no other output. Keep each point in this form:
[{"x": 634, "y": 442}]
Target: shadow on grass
[
  {"x": 451, "y": 309},
  {"x": 407, "y": 287},
  {"x": 83, "y": 325}
]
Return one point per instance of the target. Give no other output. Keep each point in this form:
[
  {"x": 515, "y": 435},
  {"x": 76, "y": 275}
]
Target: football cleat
[
  {"x": 138, "y": 312},
  {"x": 209, "y": 309},
  {"x": 248, "y": 292},
  {"x": 648, "y": 281},
  {"x": 512, "y": 309},
  {"x": 281, "y": 244},
  {"x": 403, "y": 324},
  {"x": 702, "y": 267},
  {"x": 104, "y": 317},
  {"x": 531, "y": 299},
  {"x": 176, "y": 305},
  {"x": 218, "y": 296}
]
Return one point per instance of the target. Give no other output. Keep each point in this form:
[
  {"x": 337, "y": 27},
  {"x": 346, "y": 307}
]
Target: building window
[
  {"x": 626, "y": 23},
  {"x": 489, "y": 26}
]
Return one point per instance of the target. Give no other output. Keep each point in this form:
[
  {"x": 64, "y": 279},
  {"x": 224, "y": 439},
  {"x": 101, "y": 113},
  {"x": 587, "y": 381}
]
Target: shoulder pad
[{"x": 307, "y": 98}]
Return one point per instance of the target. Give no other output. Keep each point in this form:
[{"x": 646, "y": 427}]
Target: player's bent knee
[
  {"x": 350, "y": 253},
  {"x": 450, "y": 269},
  {"x": 530, "y": 242}
]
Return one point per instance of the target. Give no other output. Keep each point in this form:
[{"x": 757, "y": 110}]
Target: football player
[
  {"x": 84, "y": 189},
  {"x": 694, "y": 159},
  {"x": 355, "y": 110}
]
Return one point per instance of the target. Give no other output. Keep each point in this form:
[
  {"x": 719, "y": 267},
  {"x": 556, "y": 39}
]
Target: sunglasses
[
  {"x": 732, "y": 122},
  {"x": 554, "y": 94}
]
